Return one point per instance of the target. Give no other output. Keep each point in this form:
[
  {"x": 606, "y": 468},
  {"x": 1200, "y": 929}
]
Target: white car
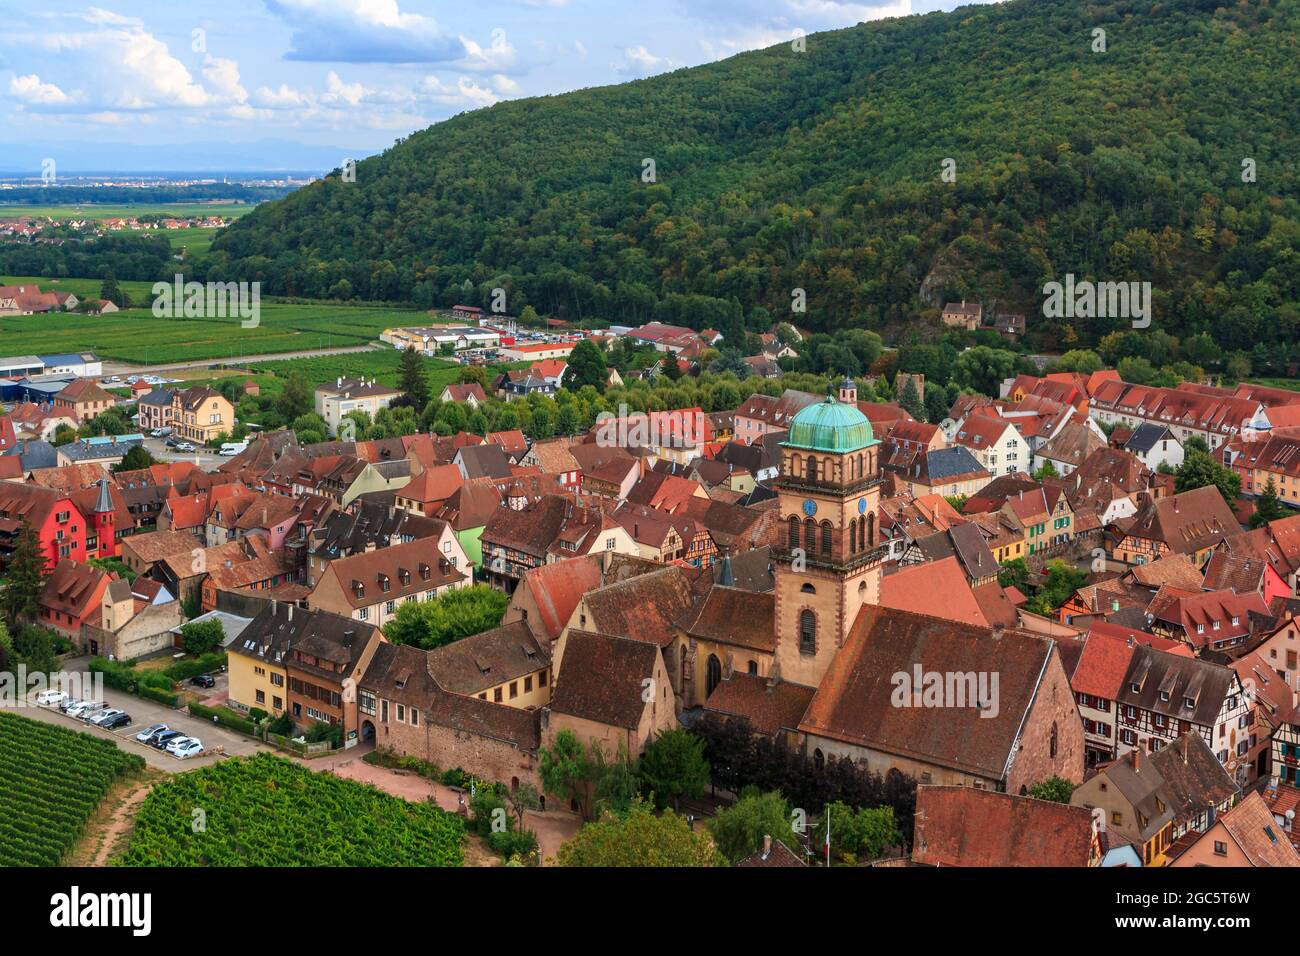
[
  {"x": 188, "y": 747},
  {"x": 85, "y": 708},
  {"x": 105, "y": 715},
  {"x": 48, "y": 698},
  {"x": 185, "y": 446},
  {"x": 71, "y": 702}
]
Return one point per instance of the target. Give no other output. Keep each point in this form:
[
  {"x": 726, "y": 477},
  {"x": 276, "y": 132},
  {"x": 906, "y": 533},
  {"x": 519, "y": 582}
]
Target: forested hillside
[{"x": 822, "y": 170}]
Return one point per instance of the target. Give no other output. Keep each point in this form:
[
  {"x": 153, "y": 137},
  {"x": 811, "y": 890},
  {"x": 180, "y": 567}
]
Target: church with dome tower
[{"x": 829, "y": 555}]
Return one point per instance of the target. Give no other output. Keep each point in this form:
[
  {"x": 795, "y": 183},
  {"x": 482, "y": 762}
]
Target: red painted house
[
  {"x": 59, "y": 523},
  {"x": 72, "y": 594},
  {"x": 8, "y": 435}
]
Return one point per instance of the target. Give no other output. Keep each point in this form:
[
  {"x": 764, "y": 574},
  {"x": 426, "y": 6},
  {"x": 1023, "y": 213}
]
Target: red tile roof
[
  {"x": 962, "y": 826},
  {"x": 913, "y": 588},
  {"x": 854, "y": 703}
]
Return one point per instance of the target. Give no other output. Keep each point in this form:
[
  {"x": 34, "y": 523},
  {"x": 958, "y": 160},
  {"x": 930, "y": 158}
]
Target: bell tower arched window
[
  {"x": 812, "y": 467},
  {"x": 810, "y": 536},
  {"x": 826, "y": 538},
  {"x": 808, "y": 632},
  {"x": 794, "y": 532}
]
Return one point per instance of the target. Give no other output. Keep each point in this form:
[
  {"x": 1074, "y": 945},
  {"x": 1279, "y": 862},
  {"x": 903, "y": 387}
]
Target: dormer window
[
  {"x": 384, "y": 583},
  {"x": 1164, "y": 695},
  {"x": 1189, "y": 703},
  {"x": 1136, "y": 688}
]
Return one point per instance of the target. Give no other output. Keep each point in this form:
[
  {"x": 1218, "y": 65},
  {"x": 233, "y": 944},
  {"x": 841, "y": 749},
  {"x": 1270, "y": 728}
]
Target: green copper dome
[{"x": 830, "y": 426}]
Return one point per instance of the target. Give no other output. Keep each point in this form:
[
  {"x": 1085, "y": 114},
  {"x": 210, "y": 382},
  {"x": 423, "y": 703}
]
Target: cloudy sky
[{"x": 312, "y": 77}]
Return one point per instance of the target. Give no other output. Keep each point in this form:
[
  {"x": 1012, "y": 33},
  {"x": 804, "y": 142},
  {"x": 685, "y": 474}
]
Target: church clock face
[{"x": 809, "y": 507}]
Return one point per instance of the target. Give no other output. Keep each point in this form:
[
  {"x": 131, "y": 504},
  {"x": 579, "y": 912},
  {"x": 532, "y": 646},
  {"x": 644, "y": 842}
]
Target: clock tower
[{"x": 829, "y": 554}]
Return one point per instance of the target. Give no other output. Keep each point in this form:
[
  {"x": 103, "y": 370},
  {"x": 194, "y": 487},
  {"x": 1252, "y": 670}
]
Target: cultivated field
[
  {"x": 136, "y": 336},
  {"x": 51, "y": 780},
  {"x": 269, "y": 811}
]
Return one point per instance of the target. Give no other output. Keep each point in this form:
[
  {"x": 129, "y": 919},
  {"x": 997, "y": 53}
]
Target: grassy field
[
  {"x": 137, "y": 336},
  {"x": 178, "y": 210},
  {"x": 380, "y": 364},
  {"x": 81, "y": 288}
]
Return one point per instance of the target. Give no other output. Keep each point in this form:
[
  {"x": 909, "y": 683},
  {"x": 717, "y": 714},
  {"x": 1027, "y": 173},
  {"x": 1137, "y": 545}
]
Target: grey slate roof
[
  {"x": 1144, "y": 437},
  {"x": 35, "y": 453},
  {"x": 950, "y": 462}
]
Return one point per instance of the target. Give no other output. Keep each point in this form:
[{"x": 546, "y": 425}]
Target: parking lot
[
  {"x": 143, "y": 714},
  {"x": 207, "y": 458}
]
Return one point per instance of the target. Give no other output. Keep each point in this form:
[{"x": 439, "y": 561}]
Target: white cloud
[
  {"x": 638, "y": 61},
  {"x": 283, "y": 98},
  {"x": 223, "y": 77},
  {"x": 30, "y": 89},
  {"x": 122, "y": 66},
  {"x": 498, "y": 55},
  {"x": 465, "y": 92},
  {"x": 363, "y": 31}
]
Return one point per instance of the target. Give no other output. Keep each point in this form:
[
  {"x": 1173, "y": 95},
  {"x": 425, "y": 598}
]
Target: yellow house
[
  {"x": 257, "y": 679},
  {"x": 505, "y": 665},
  {"x": 201, "y": 414},
  {"x": 1005, "y": 538}
]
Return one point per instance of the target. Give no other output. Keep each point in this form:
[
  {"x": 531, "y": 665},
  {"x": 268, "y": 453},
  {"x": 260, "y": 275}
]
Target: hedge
[
  {"x": 226, "y": 718},
  {"x": 161, "y": 696},
  {"x": 184, "y": 670},
  {"x": 151, "y": 685}
]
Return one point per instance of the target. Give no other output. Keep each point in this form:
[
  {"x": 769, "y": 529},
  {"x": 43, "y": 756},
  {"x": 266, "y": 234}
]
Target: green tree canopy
[
  {"x": 639, "y": 838},
  {"x": 739, "y": 830},
  {"x": 454, "y": 614}
]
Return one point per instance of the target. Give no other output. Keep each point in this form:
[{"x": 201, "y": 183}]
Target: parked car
[
  {"x": 71, "y": 702},
  {"x": 105, "y": 715},
  {"x": 185, "y": 447},
  {"x": 48, "y": 698},
  {"x": 93, "y": 713},
  {"x": 163, "y": 739},
  {"x": 203, "y": 680},
  {"x": 120, "y": 719},
  {"x": 191, "y": 747},
  {"x": 85, "y": 708},
  {"x": 149, "y": 733},
  {"x": 172, "y": 442},
  {"x": 176, "y": 742}
]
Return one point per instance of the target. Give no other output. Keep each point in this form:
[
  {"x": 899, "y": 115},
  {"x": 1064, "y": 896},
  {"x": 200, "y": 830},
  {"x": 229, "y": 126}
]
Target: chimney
[
  {"x": 289, "y": 606},
  {"x": 1136, "y": 761},
  {"x": 767, "y": 845}
]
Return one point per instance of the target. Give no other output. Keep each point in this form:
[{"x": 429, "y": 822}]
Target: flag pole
[{"x": 828, "y": 835}]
